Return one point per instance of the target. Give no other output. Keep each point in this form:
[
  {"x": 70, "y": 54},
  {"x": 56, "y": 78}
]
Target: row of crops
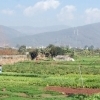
[
  {"x": 27, "y": 80},
  {"x": 34, "y": 87},
  {"x": 70, "y": 80},
  {"x": 55, "y": 68}
]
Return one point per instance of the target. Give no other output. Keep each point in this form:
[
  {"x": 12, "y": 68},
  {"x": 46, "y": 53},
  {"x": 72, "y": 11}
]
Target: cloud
[
  {"x": 66, "y": 13},
  {"x": 92, "y": 15},
  {"x": 7, "y": 11},
  {"x": 41, "y": 6},
  {"x": 19, "y": 6}
]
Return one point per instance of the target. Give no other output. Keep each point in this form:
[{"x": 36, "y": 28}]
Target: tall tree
[
  {"x": 22, "y": 49},
  {"x": 55, "y": 50},
  {"x": 33, "y": 54}
]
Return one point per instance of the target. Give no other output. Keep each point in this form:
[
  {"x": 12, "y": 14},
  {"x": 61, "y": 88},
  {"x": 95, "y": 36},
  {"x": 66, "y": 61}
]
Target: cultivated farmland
[{"x": 30, "y": 80}]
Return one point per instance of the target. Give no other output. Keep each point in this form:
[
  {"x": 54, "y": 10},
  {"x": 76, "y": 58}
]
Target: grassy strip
[{"x": 44, "y": 68}]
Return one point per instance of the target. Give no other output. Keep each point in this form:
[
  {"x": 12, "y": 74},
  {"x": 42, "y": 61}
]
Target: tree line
[{"x": 52, "y": 51}]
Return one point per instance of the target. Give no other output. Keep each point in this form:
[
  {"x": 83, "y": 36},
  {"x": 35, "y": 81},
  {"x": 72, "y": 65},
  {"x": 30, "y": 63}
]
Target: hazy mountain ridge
[
  {"x": 29, "y": 30},
  {"x": 7, "y": 34},
  {"x": 74, "y": 36}
]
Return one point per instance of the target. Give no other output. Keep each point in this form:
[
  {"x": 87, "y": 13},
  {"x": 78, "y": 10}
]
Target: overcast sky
[{"x": 39, "y": 13}]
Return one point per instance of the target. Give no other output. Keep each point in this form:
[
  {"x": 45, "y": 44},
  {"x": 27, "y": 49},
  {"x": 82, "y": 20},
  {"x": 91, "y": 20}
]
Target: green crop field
[{"x": 27, "y": 80}]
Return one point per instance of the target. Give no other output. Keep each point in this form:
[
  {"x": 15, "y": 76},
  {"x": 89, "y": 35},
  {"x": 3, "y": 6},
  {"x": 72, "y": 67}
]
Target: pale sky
[{"x": 38, "y": 13}]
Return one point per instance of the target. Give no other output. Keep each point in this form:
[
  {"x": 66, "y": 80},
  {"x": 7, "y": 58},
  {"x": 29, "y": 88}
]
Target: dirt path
[{"x": 69, "y": 91}]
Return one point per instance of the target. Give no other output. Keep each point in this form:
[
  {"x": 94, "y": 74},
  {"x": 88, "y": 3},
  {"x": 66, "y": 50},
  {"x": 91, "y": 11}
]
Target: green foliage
[
  {"x": 28, "y": 88},
  {"x": 54, "y": 50},
  {"x": 33, "y": 54},
  {"x": 22, "y": 49},
  {"x": 27, "y": 80},
  {"x": 88, "y": 66}
]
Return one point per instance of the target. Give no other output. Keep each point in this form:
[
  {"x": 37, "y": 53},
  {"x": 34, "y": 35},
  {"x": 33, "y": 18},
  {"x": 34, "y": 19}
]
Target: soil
[{"x": 70, "y": 91}]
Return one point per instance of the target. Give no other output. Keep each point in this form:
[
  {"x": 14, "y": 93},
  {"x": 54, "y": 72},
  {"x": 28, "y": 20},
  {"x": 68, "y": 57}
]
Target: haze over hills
[
  {"x": 74, "y": 36},
  {"x": 29, "y": 30},
  {"x": 7, "y": 35}
]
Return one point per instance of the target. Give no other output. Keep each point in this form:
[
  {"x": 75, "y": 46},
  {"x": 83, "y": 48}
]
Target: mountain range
[
  {"x": 58, "y": 35},
  {"x": 29, "y": 30}
]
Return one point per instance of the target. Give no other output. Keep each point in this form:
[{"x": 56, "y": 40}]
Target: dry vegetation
[{"x": 10, "y": 56}]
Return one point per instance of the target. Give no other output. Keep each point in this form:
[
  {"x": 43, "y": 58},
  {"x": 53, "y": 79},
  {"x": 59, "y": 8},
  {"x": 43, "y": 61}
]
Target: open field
[{"x": 28, "y": 80}]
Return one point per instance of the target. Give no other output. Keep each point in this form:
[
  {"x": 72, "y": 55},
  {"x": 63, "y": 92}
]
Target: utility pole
[
  {"x": 80, "y": 72},
  {"x": 81, "y": 78}
]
